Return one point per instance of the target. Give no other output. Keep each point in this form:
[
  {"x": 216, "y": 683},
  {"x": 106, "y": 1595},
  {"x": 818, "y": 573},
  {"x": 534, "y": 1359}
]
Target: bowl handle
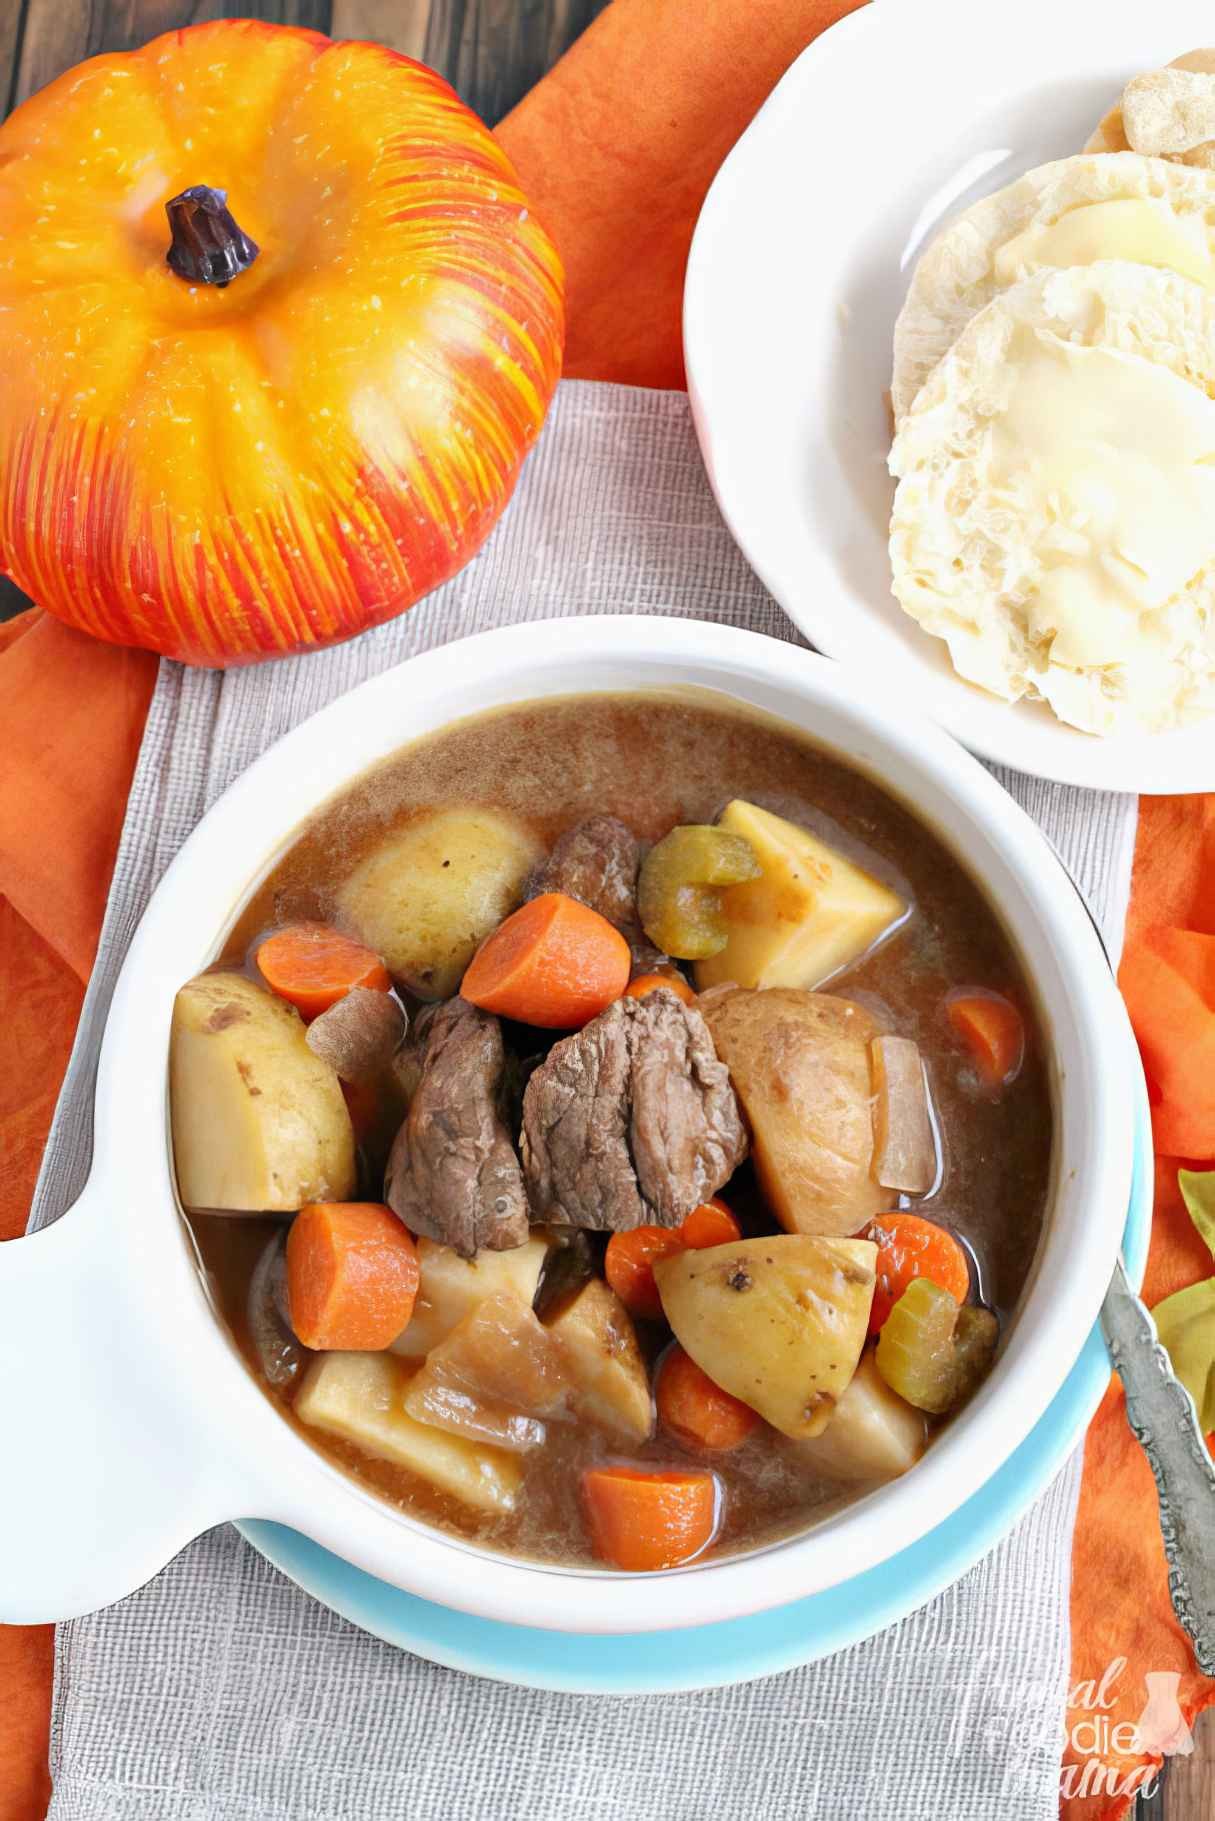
[{"x": 104, "y": 1476}]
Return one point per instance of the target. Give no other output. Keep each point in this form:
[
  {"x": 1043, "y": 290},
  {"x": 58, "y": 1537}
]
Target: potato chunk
[
  {"x": 800, "y": 1065},
  {"x": 432, "y": 891},
  {"x": 599, "y": 1344},
  {"x": 259, "y": 1122},
  {"x": 451, "y": 1287},
  {"x": 360, "y": 1397},
  {"x": 779, "y": 1322},
  {"x": 809, "y": 914},
  {"x": 874, "y": 1434}
]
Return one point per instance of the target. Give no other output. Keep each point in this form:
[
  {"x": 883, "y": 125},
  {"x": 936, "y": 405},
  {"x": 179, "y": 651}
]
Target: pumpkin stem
[{"x": 208, "y": 247}]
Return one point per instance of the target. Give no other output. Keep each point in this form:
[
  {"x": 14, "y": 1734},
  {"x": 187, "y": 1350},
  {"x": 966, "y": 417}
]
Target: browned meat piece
[
  {"x": 360, "y": 1034},
  {"x": 631, "y": 1121},
  {"x": 687, "y": 1131},
  {"x": 452, "y": 1173},
  {"x": 575, "y": 1138},
  {"x": 596, "y": 862}
]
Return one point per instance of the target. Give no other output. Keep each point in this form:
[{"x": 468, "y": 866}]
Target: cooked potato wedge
[
  {"x": 779, "y": 1322},
  {"x": 874, "y": 1434},
  {"x": 360, "y": 1397},
  {"x": 450, "y": 1287},
  {"x": 800, "y": 1065},
  {"x": 259, "y": 1122},
  {"x": 432, "y": 891},
  {"x": 809, "y": 914},
  {"x": 599, "y": 1345}
]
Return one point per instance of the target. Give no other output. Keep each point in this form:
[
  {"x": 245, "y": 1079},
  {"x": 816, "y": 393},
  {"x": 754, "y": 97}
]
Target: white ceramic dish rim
[
  {"x": 810, "y": 228},
  {"x": 140, "y": 1397}
]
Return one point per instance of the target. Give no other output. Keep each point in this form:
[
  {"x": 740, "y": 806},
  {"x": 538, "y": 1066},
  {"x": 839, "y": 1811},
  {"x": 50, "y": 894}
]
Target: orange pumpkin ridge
[{"x": 224, "y": 472}]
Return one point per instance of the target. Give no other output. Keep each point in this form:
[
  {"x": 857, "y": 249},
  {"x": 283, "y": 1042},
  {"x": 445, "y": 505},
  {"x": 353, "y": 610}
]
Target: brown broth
[{"x": 655, "y": 760}]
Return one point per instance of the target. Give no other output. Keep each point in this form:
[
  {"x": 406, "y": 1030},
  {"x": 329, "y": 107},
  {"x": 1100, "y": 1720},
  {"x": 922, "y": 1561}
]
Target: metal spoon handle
[{"x": 1164, "y": 1422}]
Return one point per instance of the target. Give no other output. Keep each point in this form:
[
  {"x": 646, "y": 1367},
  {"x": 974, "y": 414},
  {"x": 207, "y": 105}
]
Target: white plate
[{"x": 890, "y": 123}]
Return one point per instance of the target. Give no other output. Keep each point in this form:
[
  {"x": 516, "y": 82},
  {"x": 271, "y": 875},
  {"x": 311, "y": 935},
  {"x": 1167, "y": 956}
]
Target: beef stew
[{"x": 715, "y": 1176}]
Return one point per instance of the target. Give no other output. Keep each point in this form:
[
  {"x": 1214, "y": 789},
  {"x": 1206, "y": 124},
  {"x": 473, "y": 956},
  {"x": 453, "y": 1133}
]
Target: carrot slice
[
  {"x": 554, "y": 963},
  {"x": 711, "y": 1224},
  {"x": 352, "y": 1276},
  {"x": 628, "y": 1265},
  {"x": 993, "y": 1031},
  {"x": 649, "y": 983},
  {"x": 697, "y": 1411},
  {"x": 908, "y": 1247},
  {"x": 314, "y": 966},
  {"x": 642, "y": 1520}
]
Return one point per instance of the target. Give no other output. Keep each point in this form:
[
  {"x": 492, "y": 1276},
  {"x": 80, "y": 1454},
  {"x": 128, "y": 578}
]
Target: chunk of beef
[
  {"x": 360, "y": 1034},
  {"x": 631, "y": 1121},
  {"x": 687, "y": 1130},
  {"x": 453, "y": 1173},
  {"x": 596, "y": 862},
  {"x": 575, "y": 1138}
]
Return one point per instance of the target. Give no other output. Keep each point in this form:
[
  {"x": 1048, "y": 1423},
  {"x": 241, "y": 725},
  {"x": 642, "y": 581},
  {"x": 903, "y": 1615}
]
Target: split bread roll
[
  {"x": 1069, "y": 213},
  {"x": 1054, "y": 520},
  {"x": 1171, "y": 117}
]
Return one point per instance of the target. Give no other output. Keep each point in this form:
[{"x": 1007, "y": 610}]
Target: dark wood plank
[
  {"x": 55, "y": 35},
  {"x": 1154, "y": 1807},
  {"x": 11, "y": 15},
  {"x": 400, "y": 24},
  {"x": 1189, "y": 1787},
  {"x": 493, "y": 51}
]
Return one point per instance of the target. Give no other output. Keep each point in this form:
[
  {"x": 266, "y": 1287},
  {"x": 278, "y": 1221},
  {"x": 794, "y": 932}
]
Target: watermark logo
[{"x": 1100, "y": 1744}]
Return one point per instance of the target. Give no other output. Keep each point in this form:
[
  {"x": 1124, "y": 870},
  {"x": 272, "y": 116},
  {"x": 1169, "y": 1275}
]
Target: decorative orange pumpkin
[{"x": 230, "y": 441}]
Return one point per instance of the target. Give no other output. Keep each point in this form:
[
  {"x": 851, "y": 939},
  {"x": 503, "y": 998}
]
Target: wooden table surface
[{"x": 492, "y": 51}]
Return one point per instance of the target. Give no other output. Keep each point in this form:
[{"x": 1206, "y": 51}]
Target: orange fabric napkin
[
  {"x": 73, "y": 713},
  {"x": 1120, "y": 1609},
  {"x": 617, "y": 147}
]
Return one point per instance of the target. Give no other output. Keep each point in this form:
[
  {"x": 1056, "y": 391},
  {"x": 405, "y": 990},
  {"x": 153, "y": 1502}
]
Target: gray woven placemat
[{"x": 220, "y": 1691}]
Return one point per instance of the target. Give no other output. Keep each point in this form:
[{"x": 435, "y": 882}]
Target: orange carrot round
[
  {"x": 698, "y": 1412},
  {"x": 553, "y": 963},
  {"x": 649, "y": 983},
  {"x": 628, "y": 1265},
  {"x": 993, "y": 1031},
  {"x": 711, "y": 1224},
  {"x": 910, "y": 1246},
  {"x": 352, "y": 1276},
  {"x": 314, "y": 966},
  {"x": 642, "y": 1520},
  {"x": 629, "y": 1261}
]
